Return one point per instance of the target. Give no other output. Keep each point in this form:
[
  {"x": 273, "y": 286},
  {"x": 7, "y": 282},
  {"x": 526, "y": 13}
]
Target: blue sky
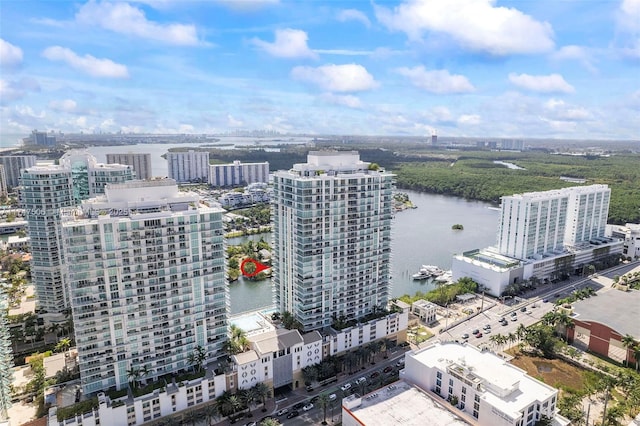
[{"x": 542, "y": 68}]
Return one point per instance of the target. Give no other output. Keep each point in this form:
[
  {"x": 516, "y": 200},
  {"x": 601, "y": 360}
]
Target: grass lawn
[{"x": 554, "y": 372}]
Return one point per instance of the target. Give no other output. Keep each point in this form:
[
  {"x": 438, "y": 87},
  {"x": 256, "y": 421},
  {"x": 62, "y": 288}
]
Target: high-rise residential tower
[
  {"x": 535, "y": 223},
  {"x": 190, "y": 166},
  {"x": 141, "y": 163},
  {"x": 238, "y": 173},
  {"x": 147, "y": 282},
  {"x": 12, "y": 166},
  {"x": 45, "y": 190},
  {"x": 3, "y": 182},
  {"x": 332, "y": 238}
]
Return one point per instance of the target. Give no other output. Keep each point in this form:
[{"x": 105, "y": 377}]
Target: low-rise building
[
  {"x": 630, "y": 234},
  {"x": 481, "y": 385},
  {"x": 424, "y": 310}
]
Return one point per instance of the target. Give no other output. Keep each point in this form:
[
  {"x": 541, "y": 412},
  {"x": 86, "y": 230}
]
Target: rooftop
[
  {"x": 399, "y": 404},
  {"x": 503, "y": 386},
  {"x": 606, "y": 309}
]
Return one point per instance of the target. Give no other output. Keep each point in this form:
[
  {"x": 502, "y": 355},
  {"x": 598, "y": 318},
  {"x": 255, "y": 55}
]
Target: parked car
[
  {"x": 293, "y": 414},
  {"x": 523, "y": 309},
  {"x": 465, "y": 336},
  {"x": 388, "y": 369},
  {"x": 360, "y": 380},
  {"x": 344, "y": 387},
  {"x": 333, "y": 397},
  {"x": 374, "y": 374},
  {"x": 476, "y": 331},
  {"x": 298, "y": 406},
  {"x": 307, "y": 407},
  {"x": 486, "y": 327},
  {"x": 514, "y": 318},
  {"x": 282, "y": 412},
  {"x": 309, "y": 388},
  {"x": 479, "y": 335}
]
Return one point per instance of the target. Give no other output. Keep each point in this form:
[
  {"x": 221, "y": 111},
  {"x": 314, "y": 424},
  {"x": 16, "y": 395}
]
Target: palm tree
[
  {"x": 270, "y": 421},
  {"x": 233, "y": 404},
  {"x": 144, "y": 371},
  {"x": 133, "y": 374},
  {"x": 190, "y": 417},
  {"x": 63, "y": 345},
  {"x": 628, "y": 342},
  {"x": 323, "y": 402},
  {"x": 262, "y": 393},
  {"x": 636, "y": 355},
  {"x": 210, "y": 412}
]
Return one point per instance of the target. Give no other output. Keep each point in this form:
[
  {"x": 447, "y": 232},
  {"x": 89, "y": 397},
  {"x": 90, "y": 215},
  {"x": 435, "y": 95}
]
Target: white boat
[
  {"x": 422, "y": 274},
  {"x": 445, "y": 277}
]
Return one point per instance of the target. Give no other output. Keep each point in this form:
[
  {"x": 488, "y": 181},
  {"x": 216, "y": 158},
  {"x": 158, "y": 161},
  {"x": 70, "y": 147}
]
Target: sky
[{"x": 566, "y": 69}]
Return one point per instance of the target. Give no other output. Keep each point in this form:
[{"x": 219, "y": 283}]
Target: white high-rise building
[
  {"x": 147, "y": 282},
  {"x": 332, "y": 238},
  {"x": 141, "y": 163},
  {"x": 535, "y": 223},
  {"x": 238, "y": 173},
  {"x": 45, "y": 190},
  {"x": 190, "y": 166},
  {"x": 3, "y": 182},
  {"x": 13, "y": 164}
]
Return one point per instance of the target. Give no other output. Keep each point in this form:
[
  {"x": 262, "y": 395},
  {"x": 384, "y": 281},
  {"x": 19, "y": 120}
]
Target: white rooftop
[
  {"x": 505, "y": 386},
  {"x": 399, "y": 404}
]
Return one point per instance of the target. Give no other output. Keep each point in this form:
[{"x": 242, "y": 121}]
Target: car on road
[
  {"x": 523, "y": 309},
  {"x": 298, "y": 406},
  {"x": 282, "y": 412},
  {"x": 293, "y": 414},
  {"x": 345, "y": 387},
  {"x": 333, "y": 397},
  {"x": 309, "y": 388},
  {"x": 514, "y": 318},
  {"x": 307, "y": 407},
  {"x": 476, "y": 331},
  {"x": 360, "y": 380},
  {"x": 388, "y": 369},
  {"x": 545, "y": 300},
  {"x": 479, "y": 335},
  {"x": 465, "y": 336},
  {"x": 374, "y": 374},
  {"x": 314, "y": 399}
]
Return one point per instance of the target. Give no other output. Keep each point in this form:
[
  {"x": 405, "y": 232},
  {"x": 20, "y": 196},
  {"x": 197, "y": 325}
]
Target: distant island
[{"x": 457, "y": 226}]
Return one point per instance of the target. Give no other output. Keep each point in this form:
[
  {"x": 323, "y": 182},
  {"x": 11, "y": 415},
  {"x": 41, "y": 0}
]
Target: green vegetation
[
  {"x": 445, "y": 293},
  {"x": 79, "y": 408},
  {"x": 249, "y": 249},
  {"x": 457, "y": 227},
  {"x": 473, "y": 175}
]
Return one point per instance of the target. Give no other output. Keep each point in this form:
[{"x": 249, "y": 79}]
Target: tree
[
  {"x": 190, "y": 417},
  {"x": 323, "y": 402},
  {"x": 211, "y": 412},
  {"x": 628, "y": 342},
  {"x": 133, "y": 374},
  {"x": 63, "y": 345},
  {"x": 262, "y": 393},
  {"x": 270, "y": 421}
]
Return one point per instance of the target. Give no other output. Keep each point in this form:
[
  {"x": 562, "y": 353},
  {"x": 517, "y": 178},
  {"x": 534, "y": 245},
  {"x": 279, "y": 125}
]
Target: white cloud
[
  {"x": 349, "y": 101},
  {"x": 553, "y": 83},
  {"x": 439, "y": 114},
  {"x": 14, "y": 90},
  {"x": 337, "y": 78},
  {"x": 469, "y": 120},
  {"x": 288, "y": 43},
  {"x": 353, "y": 15},
  {"x": 475, "y": 24},
  {"x": 559, "y": 110},
  {"x": 66, "y": 105},
  {"x": 87, "y": 63},
  {"x": 575, "y": 53},
  {"x": 10, "y": 55},
  {"x": 437, "y": 81},
  {"x": 125, "y": 19},
  {"x": 232, "y": 122},
  {"x": 628, "y": 20}
]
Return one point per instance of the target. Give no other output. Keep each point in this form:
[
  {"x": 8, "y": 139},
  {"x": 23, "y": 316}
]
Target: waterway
[{"x": 419, "y": 236}]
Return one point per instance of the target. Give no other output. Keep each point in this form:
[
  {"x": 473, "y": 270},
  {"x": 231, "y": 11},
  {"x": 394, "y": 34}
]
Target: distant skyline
[{"x": 461, "y": 68}]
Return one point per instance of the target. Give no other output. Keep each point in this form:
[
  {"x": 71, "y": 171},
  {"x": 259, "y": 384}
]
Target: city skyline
[{"x": 514, "y": 69}]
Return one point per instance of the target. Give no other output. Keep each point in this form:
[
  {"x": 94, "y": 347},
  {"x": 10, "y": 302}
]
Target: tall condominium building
[
  {"x": 141, "y": 163},
  {"x": 147, "y": 282},
  {"x": 12, "y": 166},
  {"x": 40, "y": 138},
  {"x": 535, "y": 223},
  {"x": 238, "y": 173},
  {"x": 6, "y": 362},
  {"x": 3, "y": 182},
  {"x": 45, "y": 190},
  {"x": 332, "y": 238},
  {"x": 190, "y": 166}
]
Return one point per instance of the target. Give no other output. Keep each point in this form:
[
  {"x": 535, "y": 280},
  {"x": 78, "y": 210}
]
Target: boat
[
  {"x": 422, "y": 274},
  {"x": 445, "y": 277}
]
